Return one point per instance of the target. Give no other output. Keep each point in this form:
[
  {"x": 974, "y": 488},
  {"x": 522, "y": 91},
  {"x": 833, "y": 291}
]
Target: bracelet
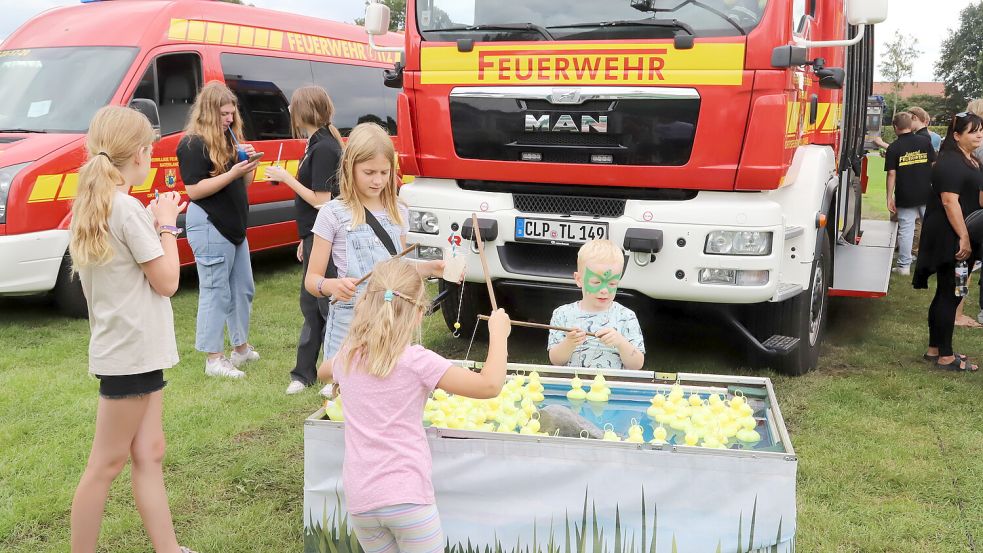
[
  {"x": 319, "y": 283},
  {"x": 172, "y": 230}
]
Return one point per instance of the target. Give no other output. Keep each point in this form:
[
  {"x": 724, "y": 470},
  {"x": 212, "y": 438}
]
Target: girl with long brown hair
[
  {"x": 316, "y": 183},
  {"x": 127, "y": 260},
  {"x": 216, "y": 170}
]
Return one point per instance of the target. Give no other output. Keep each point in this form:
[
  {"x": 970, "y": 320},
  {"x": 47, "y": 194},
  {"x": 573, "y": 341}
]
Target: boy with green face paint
[{"x": 618, "y": 343}]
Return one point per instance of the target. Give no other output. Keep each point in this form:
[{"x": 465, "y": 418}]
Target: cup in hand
[{"x": 241, "y": 154}]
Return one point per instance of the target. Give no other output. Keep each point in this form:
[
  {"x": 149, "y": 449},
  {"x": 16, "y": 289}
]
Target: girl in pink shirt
[{"x": 385, "y": 380}]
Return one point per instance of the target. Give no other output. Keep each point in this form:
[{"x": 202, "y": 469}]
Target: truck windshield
[
  {"x": 490, "y": 20},
  {"x": 58, "y": 89}
]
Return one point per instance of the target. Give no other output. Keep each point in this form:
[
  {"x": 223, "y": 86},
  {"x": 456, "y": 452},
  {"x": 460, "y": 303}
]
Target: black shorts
[{"x": 130, "y": 385}]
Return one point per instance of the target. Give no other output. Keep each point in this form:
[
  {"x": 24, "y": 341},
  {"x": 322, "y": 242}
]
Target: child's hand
[
  {"x": 499, "y": 324},
  {"x": 166, "y": 207},
  {"x": 610, "y": 337},
  {"x": 435, "y": 268},
  {"x": 576, "y": 336},
  {"x": 342, "y": 289},
  {"x": 275, "y": 173}
]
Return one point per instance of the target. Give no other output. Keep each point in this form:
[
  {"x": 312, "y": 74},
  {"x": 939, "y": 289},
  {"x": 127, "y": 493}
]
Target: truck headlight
[
  {"x": 424, "y": 222},
  {"x": 7, "y": 175},
  {"x": 733, "y": 277},
  {"x": 738, "y": 242}
]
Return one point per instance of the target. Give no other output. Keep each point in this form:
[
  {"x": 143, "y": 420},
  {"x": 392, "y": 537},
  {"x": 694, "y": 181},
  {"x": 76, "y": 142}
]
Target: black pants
[
  {"x": 315, "y": 311},
  {"x": 942, "y": 311}
]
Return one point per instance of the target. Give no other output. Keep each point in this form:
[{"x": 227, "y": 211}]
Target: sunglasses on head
[{"x": 962, "y": 114}]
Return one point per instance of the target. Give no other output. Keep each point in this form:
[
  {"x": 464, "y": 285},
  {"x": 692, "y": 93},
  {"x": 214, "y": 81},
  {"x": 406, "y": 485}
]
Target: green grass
[{"x": 889, "y": 448}]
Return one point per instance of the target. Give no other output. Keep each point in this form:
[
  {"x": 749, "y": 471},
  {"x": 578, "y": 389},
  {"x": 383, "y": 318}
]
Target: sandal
[
  {"x": 957, "y": 364},
  {"x": 935, "y": 358}
]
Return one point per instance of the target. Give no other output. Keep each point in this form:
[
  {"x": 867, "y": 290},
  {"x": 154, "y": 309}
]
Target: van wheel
[
  {"x": 475, "y": 302},
  {"x": 68, "y": 294}
]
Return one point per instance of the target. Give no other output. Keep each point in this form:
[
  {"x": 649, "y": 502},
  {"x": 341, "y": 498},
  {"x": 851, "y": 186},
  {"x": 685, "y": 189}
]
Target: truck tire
[
  {"x": 805, "y": 317},
  {"x": 802, "y": 317},
  {"x": 475, "y": 302},
  {"x": 68, "y": 294}
]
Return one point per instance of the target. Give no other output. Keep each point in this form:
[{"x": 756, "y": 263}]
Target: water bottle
[{"x": 962, "y": 275}]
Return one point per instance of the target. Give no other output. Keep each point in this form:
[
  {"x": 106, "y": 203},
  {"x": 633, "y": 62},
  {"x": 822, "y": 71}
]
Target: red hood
[{"x": 18, "y": 148}]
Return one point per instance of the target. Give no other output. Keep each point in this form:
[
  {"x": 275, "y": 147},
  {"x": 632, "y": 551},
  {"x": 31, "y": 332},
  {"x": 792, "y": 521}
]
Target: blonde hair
[
  {"x": 384, "y": 324},
  {"x": 920, "y": 114},
  {"x": 364, "y": 143},
  {"x": 975, "y": 106},
  {"x": 311, "y": 106},
  {"x": 599, "y": 251},
  {"x": 206, "y": 121},
  {"x": 116, "y": 134}
]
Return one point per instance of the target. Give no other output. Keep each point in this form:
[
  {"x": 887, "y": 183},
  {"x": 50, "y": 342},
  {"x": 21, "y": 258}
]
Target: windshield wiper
[
  {"x": 666, "y": 23},
  {"x": 501, "y": 27},
  {"x": 23, "y": 131}
]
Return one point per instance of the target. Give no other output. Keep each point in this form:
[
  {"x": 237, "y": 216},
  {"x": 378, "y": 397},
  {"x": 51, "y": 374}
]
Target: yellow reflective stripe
[
  {"x": 196, "y": 31},
  {"x": 276, "y": 40},
  {"x": 231, "y": 35},
  {"x": 45, "y": 188},
  {"x": 262, "y": 39},
  {"x": 246, "y": 36},
  {"x": 178, "y": 30},
  {"x": 213, "y": 34},
  {"x": 147, "y": 183},
  {"x": 69, "y": 188}
]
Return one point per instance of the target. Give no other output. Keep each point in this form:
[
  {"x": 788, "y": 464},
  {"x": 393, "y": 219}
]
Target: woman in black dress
[
  {"x": 957, "y": 181},
  {"x": 316, "y": 183}
]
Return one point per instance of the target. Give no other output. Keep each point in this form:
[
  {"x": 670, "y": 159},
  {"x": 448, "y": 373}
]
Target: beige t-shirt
[{"x": 132, "y": 326}]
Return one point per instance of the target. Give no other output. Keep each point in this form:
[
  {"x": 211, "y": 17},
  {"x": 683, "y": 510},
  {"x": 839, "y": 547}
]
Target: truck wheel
[
  {"x": 805, "y": 317},
  {"x": 475, "y": 302},
  {"x": 68, "y": 294}
]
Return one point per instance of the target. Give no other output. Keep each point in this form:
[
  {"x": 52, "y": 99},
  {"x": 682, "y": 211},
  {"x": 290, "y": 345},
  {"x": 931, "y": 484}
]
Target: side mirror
[
  {"x": 789, "y": 56},
  {"x": 377, "y": 18},
  {"x": 866, "y": 12},
  {"x": 393, "y": 78},
  {"x": 831, "y": 77},
  {"x": 149, "y": 109}
]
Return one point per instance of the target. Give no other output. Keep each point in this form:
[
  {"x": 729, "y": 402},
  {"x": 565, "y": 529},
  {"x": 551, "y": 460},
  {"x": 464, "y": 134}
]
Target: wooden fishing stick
[
  {"x": 476, "y": 234},
  {"x": 368, "y": 274},
  {"x": 537, "y": 325}
]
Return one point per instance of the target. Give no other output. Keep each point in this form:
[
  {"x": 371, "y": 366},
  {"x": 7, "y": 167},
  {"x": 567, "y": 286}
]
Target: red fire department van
[{"x": 60, "y": 67}]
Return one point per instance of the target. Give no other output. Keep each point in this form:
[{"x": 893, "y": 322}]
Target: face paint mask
[{"x": 605, "y": 283}]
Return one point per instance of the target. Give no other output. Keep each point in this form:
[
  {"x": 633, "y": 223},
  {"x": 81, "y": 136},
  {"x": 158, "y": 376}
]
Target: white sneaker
[
  {"x": 239, "y": 359},
  {"x": 901, "y": 270},
  {"x": 295, "y": 387},
  {"x": 186, "y": 550},
  {"x": 222, "y": 367}
]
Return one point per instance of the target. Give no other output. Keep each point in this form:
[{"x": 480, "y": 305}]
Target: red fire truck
[
  {"x": 718, "y": 141},
  {"x": 60, "y": 67}
]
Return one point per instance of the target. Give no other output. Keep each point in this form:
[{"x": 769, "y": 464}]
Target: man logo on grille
[{"x": 566, "y": 123}]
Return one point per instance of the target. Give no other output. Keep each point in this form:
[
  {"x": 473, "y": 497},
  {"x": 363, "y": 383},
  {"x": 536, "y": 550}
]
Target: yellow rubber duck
[
  {"x": 654, "y": 410},
  {"x": 676, "y": 393},
  {"x": 596, "y": 395},
  {"x": 600, "y": 384},
  {"x": 533, "y": 425},
  {"x": 659, "y": 435},
  {"x": 635, "y": 432},
  {"x": 695, "y": 400},
  {"x": 691, "y": 439},
  {"x": 748, "y": 436},
  {"x": 610, "y": 436},
  {"x": 440, "y": 395},
  {"x": 333, "y": 409},
  {"x": 576, "y": 392}
]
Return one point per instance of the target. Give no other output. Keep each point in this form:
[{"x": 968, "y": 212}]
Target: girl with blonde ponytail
[
  {"x": 127, "y": 260},
  {"x": 215, "y": 168},
  {"x": 316, "y": 183},
  {"x": 385, "y": 381}
]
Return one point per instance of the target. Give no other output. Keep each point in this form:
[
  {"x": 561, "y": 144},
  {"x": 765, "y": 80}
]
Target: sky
[{"x": 908, "y": 17}]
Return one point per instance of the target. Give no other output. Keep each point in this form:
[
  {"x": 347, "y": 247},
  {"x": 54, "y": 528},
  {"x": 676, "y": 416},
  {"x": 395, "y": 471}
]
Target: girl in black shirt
[
  {"x": 215, "y": 169},
  {"x": 311, "y": 111},
  {"x": 957, "y": 182}
]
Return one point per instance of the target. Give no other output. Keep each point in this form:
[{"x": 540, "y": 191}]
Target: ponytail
[
  {"x": 337, "y": 135},
  {"x": 116, "y": 134}
]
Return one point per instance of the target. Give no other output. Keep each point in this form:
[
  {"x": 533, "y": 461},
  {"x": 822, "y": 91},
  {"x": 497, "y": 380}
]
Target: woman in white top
[{"x": 127, "y": 260}]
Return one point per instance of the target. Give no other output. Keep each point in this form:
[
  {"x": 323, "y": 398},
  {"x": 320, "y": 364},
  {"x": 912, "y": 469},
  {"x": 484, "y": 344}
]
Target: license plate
[{"x": 557, "y": 231}]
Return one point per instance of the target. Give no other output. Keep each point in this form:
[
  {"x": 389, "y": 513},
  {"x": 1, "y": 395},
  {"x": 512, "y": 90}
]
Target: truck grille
[{"x": 567, "y": 205}]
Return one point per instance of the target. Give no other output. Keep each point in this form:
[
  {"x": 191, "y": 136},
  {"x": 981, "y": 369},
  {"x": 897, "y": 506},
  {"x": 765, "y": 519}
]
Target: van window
[
  {"x": 358, "y": 94},
  {"x": 58, "y": 89},
  {"x": 172, "y": 81},
  {"x": 264, "y": 85}
]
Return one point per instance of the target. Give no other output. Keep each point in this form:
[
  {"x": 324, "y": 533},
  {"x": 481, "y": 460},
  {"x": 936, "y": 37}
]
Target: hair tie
[
  {"x": 389, "y": 296},
  {"x": 106, "y": 155}
]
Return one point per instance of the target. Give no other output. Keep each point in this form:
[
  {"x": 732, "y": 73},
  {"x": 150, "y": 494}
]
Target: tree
[
  {"x": 960, "y": 65},
  {"x": 898, "y": 61},
  {"x": 397, "y": 9}
]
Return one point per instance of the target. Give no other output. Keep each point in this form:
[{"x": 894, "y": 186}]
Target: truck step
[{"x": 781, "y": 344}]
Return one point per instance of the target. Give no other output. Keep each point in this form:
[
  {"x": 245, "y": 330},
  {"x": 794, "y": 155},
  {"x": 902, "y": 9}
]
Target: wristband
[
  {"x": 175, "y": 231},
  {"x": 319, "y": 283}
]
